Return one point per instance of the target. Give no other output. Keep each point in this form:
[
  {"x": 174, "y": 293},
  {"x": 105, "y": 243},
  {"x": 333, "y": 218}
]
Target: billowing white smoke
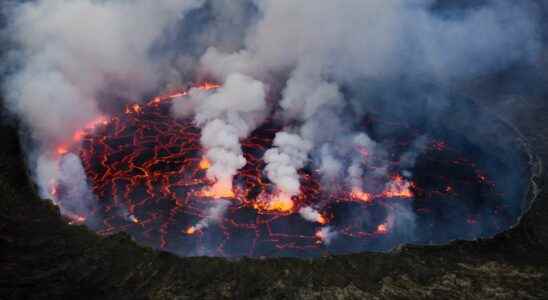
[
  {"x": 376, "y": 40},
  {"x": 379, "y": 39},
  {"x": 70, "y": 52},
  {"x": 226, "y": 116},
  {"x": 74, "y": 50},
  {"x": 305, "y": 95},
  {"x": 366, "y": 148},
  {"x": 330, "y": 166},
  {"x": 312, "y": 215},
  {"x": 78, "y": 200},
  {"x": 288, "y": 155}
]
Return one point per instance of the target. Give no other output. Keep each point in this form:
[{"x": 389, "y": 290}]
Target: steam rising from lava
[
  {"x": 289, "y": 154},
  {"x": 70, "y": 79},
  {"x": 226, "y": 115},
  {"x": 214, "y": 214}
]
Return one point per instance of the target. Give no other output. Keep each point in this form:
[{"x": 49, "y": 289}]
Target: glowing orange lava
[
  {"x": 322, "y": 220},
  {"x": 62, "y": 150},
  {"x": 218, "y": 190},
  {"x": 204, "y": 164},
  {"x": 134, "y": 219},
  {"x": 208, "y": 86},
  {"x": 191, "y": 230},
  {"x": 149, "y": 172},
  {"x": 279, "y": 203},
  {"x": 359, "y": 195},
  {"x": 78, "y": 135},
  {"x": 398, "y": 187},
  {"x": 382, "y": 228}
]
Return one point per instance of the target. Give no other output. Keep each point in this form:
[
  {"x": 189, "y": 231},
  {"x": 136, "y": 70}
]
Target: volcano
[{"x": 147, "y": 172}]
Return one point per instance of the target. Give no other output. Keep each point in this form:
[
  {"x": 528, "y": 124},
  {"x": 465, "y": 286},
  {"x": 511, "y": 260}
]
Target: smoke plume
[
  {"x": 226, "y": 116},
  {"x": 311, "y": 215},
  {"x": 408, "y": 40},
  {"x": 288, "y": 155},
  {"x": 70, "y": 54},
  {"x": 314, "y": 67},
  {"x": 214, "y": 214}
]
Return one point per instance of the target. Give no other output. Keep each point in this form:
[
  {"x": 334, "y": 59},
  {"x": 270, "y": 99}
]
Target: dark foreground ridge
[{"x": 42, "y": 257}]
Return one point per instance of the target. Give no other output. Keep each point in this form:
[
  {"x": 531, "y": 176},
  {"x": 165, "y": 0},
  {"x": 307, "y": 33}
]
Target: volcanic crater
[{"x": 147, "y": 173}]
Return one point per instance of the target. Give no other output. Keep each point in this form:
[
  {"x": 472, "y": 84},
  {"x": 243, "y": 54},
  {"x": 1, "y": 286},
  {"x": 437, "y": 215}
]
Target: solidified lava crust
[{"x": 148, "y": 174}]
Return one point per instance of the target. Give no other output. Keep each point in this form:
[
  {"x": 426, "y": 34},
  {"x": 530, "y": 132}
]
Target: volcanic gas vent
[{"x": 148, "y": 174}]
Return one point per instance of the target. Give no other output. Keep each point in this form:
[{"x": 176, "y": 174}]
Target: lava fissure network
[{"x": 147, "y": 174}]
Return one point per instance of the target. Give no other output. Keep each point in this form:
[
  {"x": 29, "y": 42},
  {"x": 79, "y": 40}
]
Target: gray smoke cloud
[
  {"x": 74, "y": 50},
  {"x": 378, "y": 39},
  {"x": 372, "y": 40},
  {"x": 288, "y": 155},
  {"x": 306, "y": 54},
  {"x": 69, "y": 53},
  {"x": 78, "y": 200},
  {"x": 326, "y": 235}
]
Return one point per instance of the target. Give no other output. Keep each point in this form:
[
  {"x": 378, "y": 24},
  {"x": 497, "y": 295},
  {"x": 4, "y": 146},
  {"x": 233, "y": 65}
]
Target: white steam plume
[
  {"x": 78, "y": 200},
  {"x": 213, "y": 215},
  {"x": 226, "y": 116},
  {"x": 74, "y": 50},
  {"x": 69, "y": 53},
  {"x": 376, "y": 39},
  {"x": 312, "y": 215},
  {"x": 330, "y": 166},
  {"x": 288, "y": 155},
  {"x": 355, "y": 170},
  {"x": 366, "y": 40}
]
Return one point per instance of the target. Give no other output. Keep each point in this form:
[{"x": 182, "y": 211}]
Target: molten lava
[
  {"x": 204, "y": 164},
  {"x": 278, "y": 202},
  {"x": 218, "y": 190},
  {"x": 382, "y": 229},
  {"x": 191, "y": 230},
  {"x": 148, "y": 172},
  {"x": 359, "y": 195},
  {"x": 398, "y": 187}
]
